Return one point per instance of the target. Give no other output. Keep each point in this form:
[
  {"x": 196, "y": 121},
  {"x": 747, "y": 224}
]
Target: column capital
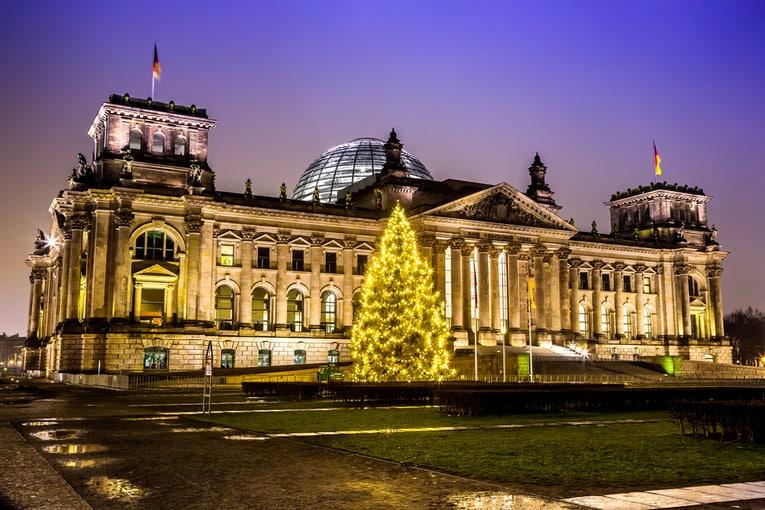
[
  {"x": 38, "y": 273},
  {"x": 467, "y": 249},
  {"x": 619, "y": 267},
  {"x": 681, "y": 270},
  {"x": 574, "y": 263},
  {"x": 597, "y": 265},
  {"x": 539, "y": 251},
  {"x": 485, "y": 245},
  {"x": 564, "y": 253},
  {"x": 137, "y": 285},
  {"x": 317, "y": 240},
  {"x": 514, "y": 248},
  {"x": 426, "y": 239},
  {"x": 193, "y": 225},
  {"x": 283, "y": 237},
  {"x": 247, "y": 235},
  {"x": 349, "y": 242},
  {"x": 123, "y": 219},
  {"x": 78, "y": 222},
  {"x": 714, "y": 272},
  {"x": 640, "y": 268},
  {"x": 457, "y": 243}
]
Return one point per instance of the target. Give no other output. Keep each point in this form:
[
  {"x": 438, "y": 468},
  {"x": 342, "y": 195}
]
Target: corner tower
[{"x": 538, "y": 190}]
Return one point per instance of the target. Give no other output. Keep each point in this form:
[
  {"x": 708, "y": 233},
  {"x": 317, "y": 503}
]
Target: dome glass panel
[{"x": 347, "y": 164}]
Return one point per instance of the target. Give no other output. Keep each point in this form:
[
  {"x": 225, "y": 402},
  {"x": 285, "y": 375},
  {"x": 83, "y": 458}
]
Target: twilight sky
[{"x": 473, "y": 89}]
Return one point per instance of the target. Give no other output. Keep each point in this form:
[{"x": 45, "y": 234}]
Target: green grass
[
  {"x": 558, "y": 460},
  {"x": 367, "y": 419}
]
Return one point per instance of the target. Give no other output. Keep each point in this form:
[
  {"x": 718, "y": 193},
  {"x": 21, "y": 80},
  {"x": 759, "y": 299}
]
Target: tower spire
[{"x": 538, "y": 190}]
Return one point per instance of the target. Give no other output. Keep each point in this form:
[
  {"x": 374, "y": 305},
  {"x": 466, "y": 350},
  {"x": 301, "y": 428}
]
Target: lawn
[{"x": 557, "y": 459}]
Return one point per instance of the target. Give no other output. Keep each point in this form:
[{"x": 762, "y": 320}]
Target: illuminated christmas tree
[{"x": 400, "y": 332}]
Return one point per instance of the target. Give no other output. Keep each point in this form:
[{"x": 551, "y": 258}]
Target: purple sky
[{"x": 473, "y": 89}]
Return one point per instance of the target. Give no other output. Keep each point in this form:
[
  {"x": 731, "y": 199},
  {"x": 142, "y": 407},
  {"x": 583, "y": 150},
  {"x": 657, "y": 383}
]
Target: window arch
[
  {"x": 627, "y": 322},
  {"x": 295, "y": 306},
  {"x": 584, "y": 321},
  {"x": 136, "y": 139},
  {"x": 329, "y": 311},
  {"x": 154, "y": 245},
  {"x": 647, "y": 322},
  {"x": 224, "y": 307},
  {"x": 158, "y": 143},
  {"x": 179, "y": 146},
  {"x": 605, "y": 321},
  {"x": 261, "y": 308}
]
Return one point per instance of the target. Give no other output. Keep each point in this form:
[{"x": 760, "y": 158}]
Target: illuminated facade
[{"x": 146, "y": 261}]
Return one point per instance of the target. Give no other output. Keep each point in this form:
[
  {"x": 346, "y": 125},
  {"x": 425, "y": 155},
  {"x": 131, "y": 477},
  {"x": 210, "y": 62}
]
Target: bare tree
[{"x": 746, "y": 329}]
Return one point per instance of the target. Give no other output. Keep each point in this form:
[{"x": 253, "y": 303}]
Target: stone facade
[{"x": 145, "y": 255}]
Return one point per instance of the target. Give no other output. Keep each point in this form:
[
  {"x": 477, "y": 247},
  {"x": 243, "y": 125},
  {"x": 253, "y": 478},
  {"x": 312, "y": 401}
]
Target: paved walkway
[{"x": 679, "y": 498}]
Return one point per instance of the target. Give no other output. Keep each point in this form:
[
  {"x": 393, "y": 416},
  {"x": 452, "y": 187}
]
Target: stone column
[
  {"x": 122, "y": 266},
  {"x": 206, "y": 309},
  {"x": 496, "y": 323},
  {"x": 663, "y": 294},
  {"x": 618, "y": 297},
  {"x": 513, "y": 288},
  {"x": 282, "y": 260},
  {"x": 574, "y": 295},
  {"x": 681, "y": 278},
  {"x": 169, "y": 303},
  {"x": 484, "y": 298},
  {"x": 597, "y": 283},
  {"x": 715, "y": 294},
  {"x": 75, "y": 260},
  {"x": 193, "y": 240},
  {"x": 639, "y": 300},
  {"x": 552, "y": 292},
  {"x": 98, "y": 277},
  {"x": 439, "y": 268},
  {"x": 467, "y": 251},
  {"x": 245, "y": 280},
  {"x": 36, "y": 281},
  {"x": 458, "y": 321},
  {"x": 138, "y": 286},
  {"x": 525, "y": 261},
  {"x": 63, "y": 285},
  {"x": 564, "y": 290},
  {"x": 348, "y": 246},
  {"x": 540, "y": 294},
  {"x": 315, "y": 307},
  {"x": 425, "y": 242}
]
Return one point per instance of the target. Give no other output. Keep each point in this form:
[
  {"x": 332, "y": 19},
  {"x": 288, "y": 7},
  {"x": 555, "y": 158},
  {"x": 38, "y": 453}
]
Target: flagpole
[
  {"x": 472, "y": 321},
  {"x": 152, "y": 84}
]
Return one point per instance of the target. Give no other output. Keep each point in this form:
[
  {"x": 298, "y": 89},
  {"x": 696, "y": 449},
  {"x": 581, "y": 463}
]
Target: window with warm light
[
  {"x": 295, "y": 310},
  {"x": 261, "y": 307},
  {"x": 584, "y": 326},
  {"x": 226, "y": 254},
  {"x": 647, "y": 284},
  {"x": 154, "y": 245},
  {"x": 647, "y": 323},
  {"x": 227, "y": 358},
  {"x": 155, "y": 358},
  {"x": 224, "y": 307},
  {"x": 329, "y": 312},
  {"x": 361, "y": 264}
]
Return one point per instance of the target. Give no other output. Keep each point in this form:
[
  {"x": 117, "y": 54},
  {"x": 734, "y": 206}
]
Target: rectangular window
[
  {"x": 152, "y": 305},
  {"x": 647, "y": 284},
  {"x": 583, "y": 281},
  {"x": 155, "y": 358},
  {"x": 333, "y": 356},
  {"x": 227, "y": 358},
  {"x": 330, "y": 262},
  {"x": 605, "y": 279},
  {"x": 299, "y": 357},
  {"x": 226, "y": 254},
  {"x": 298, "y": 260},
  {"x": 264, "y": 358},
  {"x": 627, "y": 283},
  {"x": 361, "y": 264},
  {"x": 264, "y": 258}
]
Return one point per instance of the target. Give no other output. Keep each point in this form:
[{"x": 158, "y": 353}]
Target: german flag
[
  {"x": 155, "y": 69},
  {"x": 656, "y": 159},
  {"x": 532, "y": 285}
]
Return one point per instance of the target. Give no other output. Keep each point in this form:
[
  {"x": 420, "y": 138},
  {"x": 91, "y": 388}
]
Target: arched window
[
  {"x": 647, "y": 323},
  {"x": 261, "y": 306},
  {"x": 295, "y": 310},
  {"x": 605, "y": 321},
  {"x": 136, "y": 137},
  {"x": 627, "y": 322},
  {"x": 158, "y": 143},
  {"x": 693, "y": 287},
  {"x": 584, "y": 323},
  {"x": 154, "y": 245},
  {"x": 328, "y": 312},
  {"x": 155, "y": 358},
  {"x": 224, "y": 307},
  {"x": 179, "y": 147}
]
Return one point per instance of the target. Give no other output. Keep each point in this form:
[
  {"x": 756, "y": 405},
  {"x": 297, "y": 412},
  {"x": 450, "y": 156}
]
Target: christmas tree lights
[{"x": 400, "y": 332}]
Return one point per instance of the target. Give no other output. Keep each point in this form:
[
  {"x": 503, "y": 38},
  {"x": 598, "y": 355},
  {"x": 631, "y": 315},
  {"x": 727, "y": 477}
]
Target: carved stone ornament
[
  {"x": 349, "y": 242},
  {"x": 317, "y": 239},
  {"x": 682, "y": 270},
  {"x": 574, "y": 263},
  {"x": 283, "y": 237},
  {"x": 247, "y": 235},
  {"x": 514, "y": 248},
  {"x": 714, "y": 272},
  {"x": 640, "y": 268},
  {"x": 39, "y": 273},
  {"x": 78, "y": 222},
  {"x": 564, "y": 253},
  {"x": 619, "y": 267},
  {"x": 500, "y": 208},
  {"x": 193, "y": 225},
  {"x": 485, "y": 245},
  {"x": 597, "y": 265},
  {"x": 457, "y": 244},
  {"x": 123, "y": 219}
]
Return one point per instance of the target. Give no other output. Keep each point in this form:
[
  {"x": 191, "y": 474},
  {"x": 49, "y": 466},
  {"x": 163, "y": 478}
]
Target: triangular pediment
[
  {"x": 157, "y": 270},
  {"x": 502, "y": 204},
  {"x": 300, "y": 241},
  {"x": 332, "y": 243}
]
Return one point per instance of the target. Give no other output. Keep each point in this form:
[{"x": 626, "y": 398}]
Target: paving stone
[{"x": 651, "y": 499}]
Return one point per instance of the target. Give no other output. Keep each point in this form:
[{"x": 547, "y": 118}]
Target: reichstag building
[{"x": 146, "y": 261}]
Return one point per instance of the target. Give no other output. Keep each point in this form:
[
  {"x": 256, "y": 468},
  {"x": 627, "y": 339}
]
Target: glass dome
[{"x": 349, "y": 163}]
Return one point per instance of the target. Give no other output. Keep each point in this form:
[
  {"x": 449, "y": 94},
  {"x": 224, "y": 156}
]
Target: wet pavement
[
  {"x": 80, "y": 448},
  {"x": 117, "y": 451}
]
